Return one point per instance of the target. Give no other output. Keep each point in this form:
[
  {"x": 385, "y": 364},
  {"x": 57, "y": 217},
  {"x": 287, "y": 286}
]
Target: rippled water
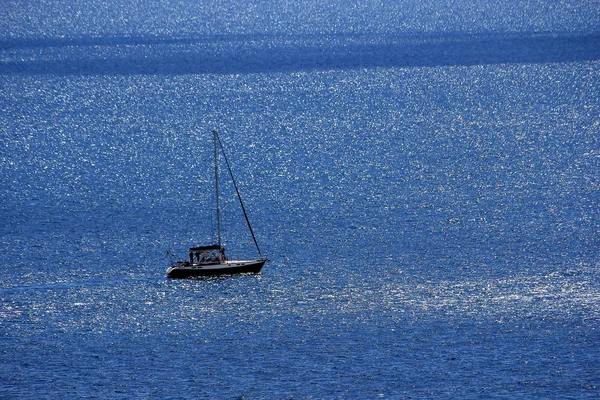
[{"x": 423, "y": 177}]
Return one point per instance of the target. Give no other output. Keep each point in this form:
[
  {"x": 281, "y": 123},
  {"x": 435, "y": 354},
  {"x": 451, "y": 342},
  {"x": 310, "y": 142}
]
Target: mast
[{"x": 217, "y": 188}]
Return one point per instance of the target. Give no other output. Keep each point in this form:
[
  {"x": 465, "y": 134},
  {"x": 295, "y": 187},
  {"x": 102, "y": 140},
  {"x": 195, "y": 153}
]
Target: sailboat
[{"x": 211, "y": 259}]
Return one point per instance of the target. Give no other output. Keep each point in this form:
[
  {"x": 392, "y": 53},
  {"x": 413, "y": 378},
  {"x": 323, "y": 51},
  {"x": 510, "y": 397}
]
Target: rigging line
[{"x": 238, "y": 192}]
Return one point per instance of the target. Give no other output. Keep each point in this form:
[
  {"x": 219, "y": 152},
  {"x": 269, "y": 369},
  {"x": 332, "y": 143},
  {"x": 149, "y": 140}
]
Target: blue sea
[{"x": 424, "y": 177}]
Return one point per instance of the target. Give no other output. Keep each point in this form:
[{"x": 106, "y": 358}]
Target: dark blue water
[{"x": 424, "y": 177}]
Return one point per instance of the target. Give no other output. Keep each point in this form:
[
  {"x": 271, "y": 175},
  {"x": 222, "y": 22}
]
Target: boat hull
[{"x": 227, "y": 268}]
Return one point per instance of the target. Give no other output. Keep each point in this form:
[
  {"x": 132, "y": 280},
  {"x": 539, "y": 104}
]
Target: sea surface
[{"x": 424, "y": 177}]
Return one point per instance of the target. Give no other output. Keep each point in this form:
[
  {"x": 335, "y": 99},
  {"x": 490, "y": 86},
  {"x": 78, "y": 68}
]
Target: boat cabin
[{"x": 202, "y": 255}]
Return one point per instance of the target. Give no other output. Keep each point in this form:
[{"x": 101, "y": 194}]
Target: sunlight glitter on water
[{"x": 423, "y": 177}]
